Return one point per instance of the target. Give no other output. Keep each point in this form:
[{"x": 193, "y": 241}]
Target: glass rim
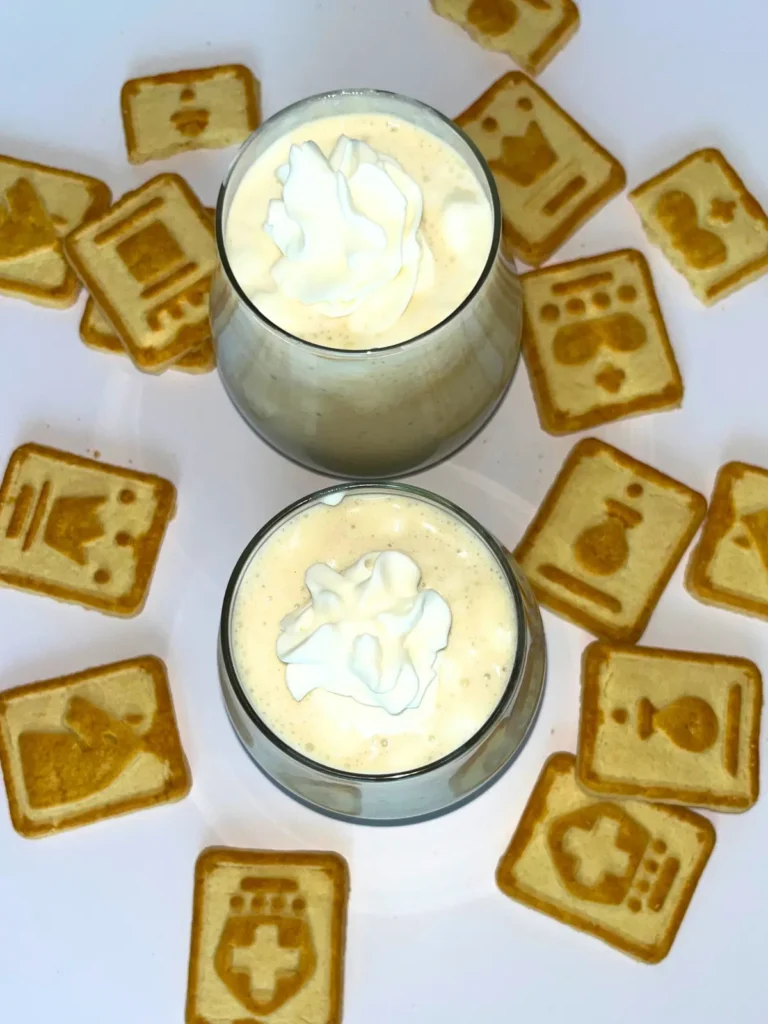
[
  {"x": 321, "y": 97},
  {"x": 340, "y": 774}
]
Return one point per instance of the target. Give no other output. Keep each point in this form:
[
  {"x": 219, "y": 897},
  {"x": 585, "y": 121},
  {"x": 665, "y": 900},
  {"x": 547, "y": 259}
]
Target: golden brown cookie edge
[
  {"x": 132, "y": 87},
  {"x": 598, "y": 654},
  {"x": 191, "y": 337},
  {"x": 744, "y": 275},
  {"x": 558, "y": 423},
  {"x": 132, "y": 604},
  {"x": 178, "y": 785},
  {"x": 717, "y": 524},
  {"x": 562, "y": 763},
  {"x": 212, "y": 856},
  {"x": 585, "y": 448}
]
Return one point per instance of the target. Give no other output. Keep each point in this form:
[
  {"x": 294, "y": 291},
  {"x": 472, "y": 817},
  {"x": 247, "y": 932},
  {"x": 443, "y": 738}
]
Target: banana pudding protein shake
[
  {"x": 376, "y": 634},
  {"x": 366, "y": 323},
  {"x": 375, "y": 230}
]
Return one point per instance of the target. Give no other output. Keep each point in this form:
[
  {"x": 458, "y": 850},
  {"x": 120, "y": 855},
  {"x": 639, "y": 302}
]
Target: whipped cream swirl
[
  {"x": 368, "y": 633},
  {"x": 348, "y": 229}
]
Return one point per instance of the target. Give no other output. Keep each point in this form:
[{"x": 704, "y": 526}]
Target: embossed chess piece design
[
  {"x": 151, "y": 253},
  {"x": 551, "y": 174},
  {"x": 689, "y": 722},
  {"x": 265, "y": 954},
  {"x": 156, "y": 260},
  {"x": 182, "y": 110},
  {"x": 627, "y": 541},
  {"x": 676, "y": 212},
  {"x": 39, "y": 206},
  {"x": 190, "y": 121},
  {"x": 25, "y": 227},
  {"x": 595, "y": 342},
  {"x": 81, "y": 530},
  {"x": 670, "y": 725},
  {"x": 494, "y": 17},
  {"x": 91, "y": 745},
  {"x": 599, "y": 852},
  {"x": 580, "y": 340},
  {"x": 624, "y": 872},
  {"x": 525, "y": 158},
  {"x": 577, "y": 343},
  {"x": 757, "y": 534},
  {"x": 738, "y": 519},
  {"x": 603, "y": 548},
  {"x": 706, "y": 221},
  {"x": 622, "y": 845},
  {"x": 530, "y": 31},
  {"x": 61, "y": 767},
  {"x": 73, "y": 524}
]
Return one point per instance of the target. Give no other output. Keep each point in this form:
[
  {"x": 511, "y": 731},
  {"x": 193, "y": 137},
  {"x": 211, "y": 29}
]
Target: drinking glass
[
  {"x": 380, "y": 412},
  {"x": 424, "y": 792}
]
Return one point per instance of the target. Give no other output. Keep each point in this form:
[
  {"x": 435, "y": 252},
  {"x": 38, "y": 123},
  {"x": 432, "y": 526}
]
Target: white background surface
[{"x": 94, "y": 923}]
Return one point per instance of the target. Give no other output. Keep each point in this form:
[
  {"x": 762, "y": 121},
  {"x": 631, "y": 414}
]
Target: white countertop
[{"x": 95, "y": 922}]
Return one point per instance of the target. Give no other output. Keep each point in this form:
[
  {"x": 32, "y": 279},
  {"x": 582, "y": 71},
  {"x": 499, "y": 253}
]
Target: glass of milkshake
[
  {"x": 366, "y": 323},
  {"x": 381, "y": 658}
]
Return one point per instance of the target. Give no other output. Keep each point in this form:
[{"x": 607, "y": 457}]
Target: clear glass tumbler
[
  {"x": 380, "y": 412},
  {"x": 404, "y": 797}
]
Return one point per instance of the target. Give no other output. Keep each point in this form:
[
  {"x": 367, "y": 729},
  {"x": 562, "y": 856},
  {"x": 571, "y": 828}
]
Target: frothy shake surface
[
  {"x": 472, "y": 672},
  {"x": 455, "y": 233}
]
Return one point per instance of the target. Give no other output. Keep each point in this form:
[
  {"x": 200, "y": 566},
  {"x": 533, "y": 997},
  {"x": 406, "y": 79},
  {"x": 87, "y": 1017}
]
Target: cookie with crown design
[
  {"x": 80, "y": 530},
  {"x": 204, "y": 108},
  {"x": 551, "y": 174},
  {"x": 39, "y": 206},
  {"x": 88, "y": 746},
  {"x": 532, "y": 32},
  {"x": 268, "y": 937}
]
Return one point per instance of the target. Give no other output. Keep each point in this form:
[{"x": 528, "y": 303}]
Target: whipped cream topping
[
  {"x": 348, "y": 229},
  {"x": 368, "y": 633}
]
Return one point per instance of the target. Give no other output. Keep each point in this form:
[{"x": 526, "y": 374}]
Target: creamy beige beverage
[
  {"x": 358, "y": 231},
  {"x": 374, "y": 635},
  {"x": 348, "y": 237}
]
